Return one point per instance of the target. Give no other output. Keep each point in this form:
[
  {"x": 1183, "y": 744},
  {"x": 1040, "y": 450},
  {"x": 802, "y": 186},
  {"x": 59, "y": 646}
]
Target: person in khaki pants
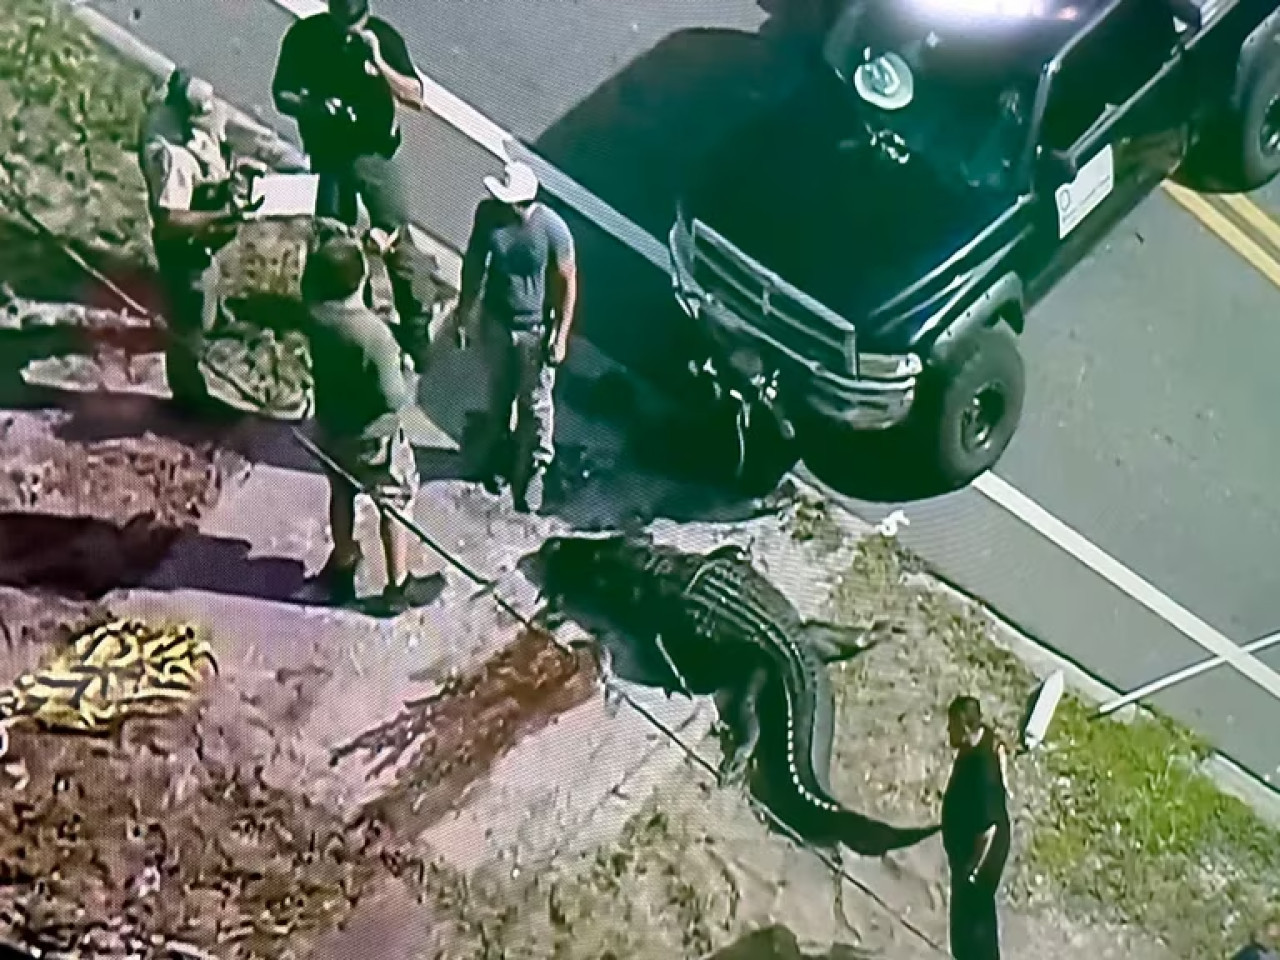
[
  {"x": 519, "y": 288},
  {"x": 187, "y": 168}
]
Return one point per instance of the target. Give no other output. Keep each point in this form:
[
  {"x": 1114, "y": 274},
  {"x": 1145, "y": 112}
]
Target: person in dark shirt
[
  {"x": 1264, "y": 946},
  {"x": 361, "y": 395},
  {"x": 975, "y": 832},
  {"x": 340, "y": 75},
  {"x": 519, "y": 287}
]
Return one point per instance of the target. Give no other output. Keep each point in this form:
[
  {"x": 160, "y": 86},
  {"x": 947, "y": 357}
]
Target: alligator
[{"x": 718, "y": 624}]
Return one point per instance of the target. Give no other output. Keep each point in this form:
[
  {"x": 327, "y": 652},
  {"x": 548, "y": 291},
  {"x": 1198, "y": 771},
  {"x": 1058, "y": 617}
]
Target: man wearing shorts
[{"x": 360, "y": 396}]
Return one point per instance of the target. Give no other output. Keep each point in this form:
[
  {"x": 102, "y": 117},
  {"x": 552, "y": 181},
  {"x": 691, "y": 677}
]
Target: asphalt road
[{"x": 1148, "y": 427}]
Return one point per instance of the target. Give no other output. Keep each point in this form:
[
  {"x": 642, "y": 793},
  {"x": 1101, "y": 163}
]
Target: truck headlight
[{"x": 888, "y": 366}]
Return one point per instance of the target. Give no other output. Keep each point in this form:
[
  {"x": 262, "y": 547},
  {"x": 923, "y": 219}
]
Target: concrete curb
[{"x": 1233, "y": 779}]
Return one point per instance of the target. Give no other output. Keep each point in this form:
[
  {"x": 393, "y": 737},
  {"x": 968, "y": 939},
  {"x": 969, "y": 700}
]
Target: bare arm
[
  {"x": 563, "y": 282},
  {"x": 982, "y": 849}
]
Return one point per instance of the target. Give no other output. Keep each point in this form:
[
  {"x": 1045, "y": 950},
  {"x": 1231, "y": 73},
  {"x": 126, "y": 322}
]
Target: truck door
[{"x": 1114, "y": 124}]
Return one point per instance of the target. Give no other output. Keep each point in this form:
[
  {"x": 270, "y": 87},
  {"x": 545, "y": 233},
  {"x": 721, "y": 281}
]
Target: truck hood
[{"x": 803, "y": 191}]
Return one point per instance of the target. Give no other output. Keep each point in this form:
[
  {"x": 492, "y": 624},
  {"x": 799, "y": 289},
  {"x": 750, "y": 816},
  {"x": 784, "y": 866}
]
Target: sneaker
[{"x": 415, "y": 592}]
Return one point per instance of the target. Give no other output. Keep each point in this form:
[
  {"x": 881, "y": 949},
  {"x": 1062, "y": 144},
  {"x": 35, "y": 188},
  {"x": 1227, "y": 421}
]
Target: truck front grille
[{"x": 772, "y": 307}]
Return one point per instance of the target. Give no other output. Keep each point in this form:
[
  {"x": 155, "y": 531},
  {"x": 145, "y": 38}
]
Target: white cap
[{"x": 519, "y": 184}]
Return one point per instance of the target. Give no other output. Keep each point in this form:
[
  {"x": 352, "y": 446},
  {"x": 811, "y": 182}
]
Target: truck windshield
[{"x": 959, "y": 98}]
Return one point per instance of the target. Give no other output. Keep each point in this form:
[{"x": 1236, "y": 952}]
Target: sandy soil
[{"x": 698, "y": 869}]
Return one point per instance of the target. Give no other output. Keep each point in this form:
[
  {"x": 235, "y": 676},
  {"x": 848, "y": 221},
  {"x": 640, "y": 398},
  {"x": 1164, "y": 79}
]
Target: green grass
[
  {"x": 1137, "y": 827},
  {"x": 73, "y": 111}
]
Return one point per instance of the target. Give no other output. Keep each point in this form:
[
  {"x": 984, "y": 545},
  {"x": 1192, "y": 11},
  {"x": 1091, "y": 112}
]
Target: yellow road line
[
  {"x": 1228, "y": 232},
  {"x": 1255, "y": 217}
]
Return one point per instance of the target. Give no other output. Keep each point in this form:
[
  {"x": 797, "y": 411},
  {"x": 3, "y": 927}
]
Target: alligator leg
[
  {"x": 682, "y": 685},
  {"x": 833, "y": 643},
  {"x": 744, "y": 730},
  {"x": 551, "y": 616}
]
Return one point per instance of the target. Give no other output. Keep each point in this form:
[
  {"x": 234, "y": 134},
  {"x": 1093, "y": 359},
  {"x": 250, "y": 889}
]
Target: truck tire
[
  {"x": 1245, "y": 152},
  {"x": 971, "y": 406}
]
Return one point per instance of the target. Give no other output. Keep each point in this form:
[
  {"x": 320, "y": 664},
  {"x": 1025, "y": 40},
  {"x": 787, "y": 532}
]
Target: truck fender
[
  {"x": 1264, "y": 41},
  {"x": 1003, "y": 302}
]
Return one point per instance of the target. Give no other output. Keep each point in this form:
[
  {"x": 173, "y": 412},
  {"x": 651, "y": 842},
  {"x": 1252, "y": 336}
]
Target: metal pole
[{"x": 1204, "y": 666}]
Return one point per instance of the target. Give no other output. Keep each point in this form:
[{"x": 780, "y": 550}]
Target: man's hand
[
  {"x": 464, "y": 324},
  {"x": 379, "y": 242}
]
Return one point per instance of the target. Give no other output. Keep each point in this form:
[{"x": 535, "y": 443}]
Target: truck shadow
[{"x": 633, "y": 142}]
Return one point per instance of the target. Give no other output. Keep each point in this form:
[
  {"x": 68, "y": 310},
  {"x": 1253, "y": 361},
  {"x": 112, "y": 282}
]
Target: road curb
[{"x": 1232, "y": 778}]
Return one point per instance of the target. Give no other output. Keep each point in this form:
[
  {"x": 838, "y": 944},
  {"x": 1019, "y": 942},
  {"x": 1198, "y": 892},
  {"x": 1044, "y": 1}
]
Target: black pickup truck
[{"x": 866, "y": 254}]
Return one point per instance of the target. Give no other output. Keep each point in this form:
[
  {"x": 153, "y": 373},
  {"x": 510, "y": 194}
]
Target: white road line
[
  {"x": 505, "y": 146},
  {"x": 497, "y": 141},
  {"x": 1125, "y": 580}
]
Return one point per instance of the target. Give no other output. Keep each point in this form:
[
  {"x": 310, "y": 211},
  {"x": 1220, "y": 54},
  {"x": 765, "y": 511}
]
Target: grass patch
[
  {"x": 1116, "y": 820},
  {"x": 1136, "y": 828},
  {"x": 75, "y": 109}
]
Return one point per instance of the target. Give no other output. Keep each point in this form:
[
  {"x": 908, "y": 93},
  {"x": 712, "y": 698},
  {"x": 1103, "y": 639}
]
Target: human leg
[
  {"x": 535, "y": 419},
  {"x": 336, "y": 194},
  {"x": 190, "y": 294},
  {"x": 495, "y": 443},
  {"x": 381, "y": 185},
  {"x": 339, "y": 573},
  {"x": 975, "y": 930}
]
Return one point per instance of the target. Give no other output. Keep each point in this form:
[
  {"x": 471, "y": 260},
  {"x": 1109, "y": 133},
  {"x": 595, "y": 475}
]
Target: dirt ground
[
  {"x": 697, "y": 869},
  {"x": 270, "y": 822}
]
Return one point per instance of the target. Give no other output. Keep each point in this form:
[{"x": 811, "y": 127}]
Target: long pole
[{"x": 1164, "y": 683}]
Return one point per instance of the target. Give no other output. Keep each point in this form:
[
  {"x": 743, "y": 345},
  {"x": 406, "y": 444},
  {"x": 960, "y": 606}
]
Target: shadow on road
[{"x": 633, "y": 142}]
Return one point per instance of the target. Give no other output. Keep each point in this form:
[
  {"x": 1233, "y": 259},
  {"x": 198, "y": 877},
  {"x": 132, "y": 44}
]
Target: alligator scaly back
[{"x": 715, "y": 613}]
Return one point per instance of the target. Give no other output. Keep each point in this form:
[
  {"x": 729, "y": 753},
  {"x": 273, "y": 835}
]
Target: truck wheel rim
[
  {"x": 1269, "y": 136},
  {"x": 981, "y": 418}
]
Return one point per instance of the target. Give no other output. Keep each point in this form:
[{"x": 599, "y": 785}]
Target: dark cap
[
  {"x": 348, "y": 11},
  {"x": 335, "y": 269}
]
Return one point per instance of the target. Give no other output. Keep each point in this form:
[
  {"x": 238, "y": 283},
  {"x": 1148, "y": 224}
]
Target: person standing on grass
[
  {"x": 975, "y": 832},
  {"x": 361, "y": 395},
  {"x": 340, "y": 75},
  {"x": 519, "y": 289},
  {"x": 187, "y": 170}
]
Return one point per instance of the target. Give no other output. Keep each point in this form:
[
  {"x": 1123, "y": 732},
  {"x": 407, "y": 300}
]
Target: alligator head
[{"x": 602, "y": 572}]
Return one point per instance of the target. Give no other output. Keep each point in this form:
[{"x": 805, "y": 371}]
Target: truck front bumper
[{"x": 858, "y": 403}]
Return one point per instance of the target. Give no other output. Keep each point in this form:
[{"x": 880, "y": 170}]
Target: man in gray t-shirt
[{"x": 519, "y": 286}]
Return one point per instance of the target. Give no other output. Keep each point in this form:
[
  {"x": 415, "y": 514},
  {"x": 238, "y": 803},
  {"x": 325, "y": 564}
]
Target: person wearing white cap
[
  {"x": 187, "y": 169},
  {"x": 519, "y": 288}
]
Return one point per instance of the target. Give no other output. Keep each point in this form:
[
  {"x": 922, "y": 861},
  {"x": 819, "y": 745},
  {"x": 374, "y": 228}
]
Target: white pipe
[{"x": 1204, "y": 666}]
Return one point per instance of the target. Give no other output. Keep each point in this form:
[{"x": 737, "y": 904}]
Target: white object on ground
[{"x": 1047, "y": 701}]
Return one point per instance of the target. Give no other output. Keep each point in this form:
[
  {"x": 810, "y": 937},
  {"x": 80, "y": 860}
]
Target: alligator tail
[{"x": 874, "y": 838}]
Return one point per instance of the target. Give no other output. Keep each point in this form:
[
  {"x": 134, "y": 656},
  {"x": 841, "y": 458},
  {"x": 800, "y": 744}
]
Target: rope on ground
[{"x": 488, "y": 586}]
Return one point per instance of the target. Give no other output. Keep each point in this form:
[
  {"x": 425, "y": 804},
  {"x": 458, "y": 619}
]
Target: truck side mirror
[{"x": 1188, "y": 12}]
